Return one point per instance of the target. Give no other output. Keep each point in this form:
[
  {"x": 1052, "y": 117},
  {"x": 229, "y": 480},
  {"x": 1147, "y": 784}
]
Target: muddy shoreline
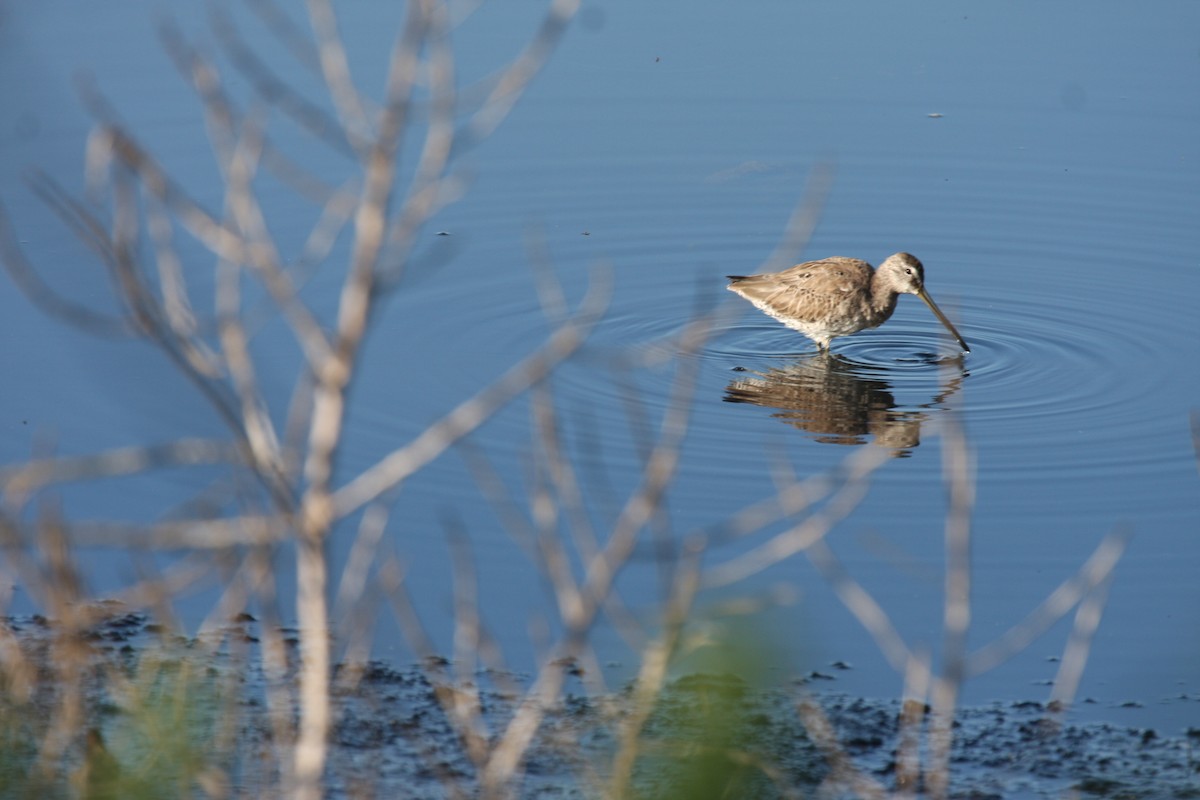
[{"x": 392, "y": 737}]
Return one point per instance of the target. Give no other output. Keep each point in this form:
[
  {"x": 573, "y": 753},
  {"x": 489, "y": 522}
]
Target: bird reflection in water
[{"x": 832, "y": 400}]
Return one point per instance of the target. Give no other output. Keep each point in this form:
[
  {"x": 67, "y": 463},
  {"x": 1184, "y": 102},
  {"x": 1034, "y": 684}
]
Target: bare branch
[
  {"x": 297, "y": 41},
  {"x": 653, "y": 673},
  {"x": 363, "y": 552},
  {"x": 516, "y": 77},
  {"x": 842, "y": 774},
  {"x": 260, "y": 431},
  {"x": 41, "y": 294},
  {"x": 958, "y": 470},
  {"x": 582, "y": 607},
  {"x": 1093, "y": 572},
  {"x": 223, "y": 117},
  {"x": 272, "y": 89},
  {"x": 399, "y": 465},
  {"x": 198, "y": 534},
  {"x": 261, "y": 250},
  {"x": 107, "y": 143},
  {"x": 336, "y": 70},
  {"x": 917, "y": 678},
  {"x": 19, "y": 482},
  {"x": 465, "y": 710},
  {"x": 861, "y": 604},
  {"x": 804, "y": 219},
  {"x": 176, "y": 305},
  {"x": 1079, "y": 645},
  {"x": 859, "y": 468}
]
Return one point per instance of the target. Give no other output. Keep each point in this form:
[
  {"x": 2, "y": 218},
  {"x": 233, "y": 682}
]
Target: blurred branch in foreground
[{"x": 297, "y": 499}]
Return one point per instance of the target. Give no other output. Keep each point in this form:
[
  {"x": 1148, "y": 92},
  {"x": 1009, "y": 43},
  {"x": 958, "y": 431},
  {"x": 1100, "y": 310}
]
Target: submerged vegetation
[{"x": 104, "y": 697}]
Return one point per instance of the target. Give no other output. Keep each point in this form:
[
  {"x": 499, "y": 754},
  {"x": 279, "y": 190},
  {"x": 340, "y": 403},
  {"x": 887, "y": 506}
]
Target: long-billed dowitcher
[{"x": 838, "y": 296}]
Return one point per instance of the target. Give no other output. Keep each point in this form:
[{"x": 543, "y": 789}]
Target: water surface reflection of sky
[{"x": 1042, "y": 160}]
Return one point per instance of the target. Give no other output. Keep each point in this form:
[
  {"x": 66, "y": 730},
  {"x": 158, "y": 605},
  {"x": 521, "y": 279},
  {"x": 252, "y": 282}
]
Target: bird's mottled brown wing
[
  {"x": 807, "y": 291},
  {"x": 835, "y": 276}
]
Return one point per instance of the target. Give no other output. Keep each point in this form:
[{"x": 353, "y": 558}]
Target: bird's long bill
[{"x": 937, "y": 312}]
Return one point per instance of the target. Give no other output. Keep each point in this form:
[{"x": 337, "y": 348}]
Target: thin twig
[
  {"x": 858, "y": 470},
  {"x": 335, "y": 68},
  {"x": 958, "y": 471},
  {"x": 1094, "y": 571},
  {"x": 274, "y": 90},
  {"x": 45, "y": 297},
  {"x": 654, "y": 662},
  {"x": 400, "y": 464}
]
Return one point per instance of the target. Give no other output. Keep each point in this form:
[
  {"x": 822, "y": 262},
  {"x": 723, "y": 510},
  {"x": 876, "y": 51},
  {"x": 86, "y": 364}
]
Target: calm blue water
[{"x": 1043, "y": 162}]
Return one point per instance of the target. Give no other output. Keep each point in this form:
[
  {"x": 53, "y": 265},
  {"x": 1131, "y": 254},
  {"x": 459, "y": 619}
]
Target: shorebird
[{"x": 838, "y": 296}]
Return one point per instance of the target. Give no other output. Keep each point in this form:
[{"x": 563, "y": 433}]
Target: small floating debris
[
  {"x": 935, "y": 115},
  {"x": 443, "y": 233}
]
